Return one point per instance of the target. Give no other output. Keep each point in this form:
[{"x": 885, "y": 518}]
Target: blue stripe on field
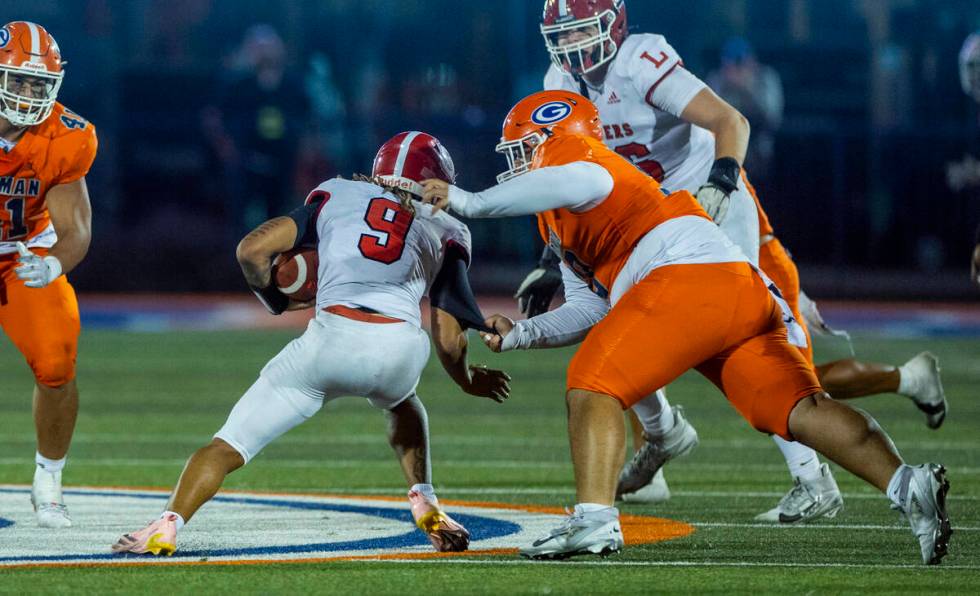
[{"x": 480, "y": 528}]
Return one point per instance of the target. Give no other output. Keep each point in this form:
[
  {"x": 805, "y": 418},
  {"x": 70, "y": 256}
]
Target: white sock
[
  {"x": 894, "y": 490},
  {"x": 180, "y": 518},
  {"x": 906, "y": 382},
  {"x": 49, "y": 465},
  {"x": 655, "y": 415},
  {"x": 803, "y": 462},
  {"x": 590, "y": 507},
  {"x": 426, "y": 491}
]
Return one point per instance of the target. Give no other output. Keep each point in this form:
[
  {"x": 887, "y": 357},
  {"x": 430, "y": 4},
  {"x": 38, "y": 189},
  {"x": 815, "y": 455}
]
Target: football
[{"x": 294, "y": 272}]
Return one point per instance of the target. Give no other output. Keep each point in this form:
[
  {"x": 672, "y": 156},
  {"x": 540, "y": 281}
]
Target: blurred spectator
[
  {"x": 255, "y": 126},
  {"x": 756, "y": 91},
  {"x": 969, "y": 171}
]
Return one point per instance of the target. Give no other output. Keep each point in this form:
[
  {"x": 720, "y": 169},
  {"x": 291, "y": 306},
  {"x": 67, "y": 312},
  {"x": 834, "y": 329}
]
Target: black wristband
[
  {"x": 725, "y": 173},
  {"x": 275, "y": 301},
  {"x": 548, "y": 260}
]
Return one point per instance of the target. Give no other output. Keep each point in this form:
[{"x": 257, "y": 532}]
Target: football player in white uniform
[
  {"x": 380, "y": 252},
  {"x": 669, "y": 124}
]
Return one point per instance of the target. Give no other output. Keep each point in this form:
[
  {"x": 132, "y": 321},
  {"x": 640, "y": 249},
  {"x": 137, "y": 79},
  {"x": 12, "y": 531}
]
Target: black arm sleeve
[
  {"x": 451, "y": 291},
  {"x": 305, "y": 218},
  {"x": 271, "y": 298}
]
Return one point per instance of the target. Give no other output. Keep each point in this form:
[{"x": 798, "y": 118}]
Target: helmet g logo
[
  {"x": 4, "y": 37},
  {"x": 551, "y": 112}
]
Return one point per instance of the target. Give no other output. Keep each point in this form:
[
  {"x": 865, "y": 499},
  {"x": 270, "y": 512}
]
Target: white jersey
[
  {"x": 376, "y": 255},
  {"x": 640, "y": 104}
]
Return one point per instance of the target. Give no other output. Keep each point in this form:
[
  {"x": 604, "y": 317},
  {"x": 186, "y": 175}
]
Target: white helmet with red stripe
[
  {"x": 31, "y": 71},
  {"x": 410, "y": 157}
]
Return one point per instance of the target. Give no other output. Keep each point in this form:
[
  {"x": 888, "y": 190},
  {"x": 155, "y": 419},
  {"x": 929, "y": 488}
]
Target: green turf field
[{"x": 148, "y": 400}]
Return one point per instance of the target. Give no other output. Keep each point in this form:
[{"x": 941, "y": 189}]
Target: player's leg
[
  {"x": 654, "y": 333},
  {"x": 44, "y": 325},
  {"x": 774, "y": 388},
  {"x": 666, "y": 435},
  {"x": 408, "y": 435},
  {"x": 814, "y": 493},
  {"x": 918, "y": 379}
]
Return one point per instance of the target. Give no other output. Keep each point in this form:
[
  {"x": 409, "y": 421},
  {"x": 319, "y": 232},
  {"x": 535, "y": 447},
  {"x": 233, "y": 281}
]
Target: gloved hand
[
  {"x": 536, "y": 292},
  {"x": 714, "y": 201},
  {"x": 714, "y": 195},
  {"x": 36, "y": 271}
]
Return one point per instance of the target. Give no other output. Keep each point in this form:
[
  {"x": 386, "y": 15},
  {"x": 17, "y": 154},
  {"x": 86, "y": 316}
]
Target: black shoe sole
[{"x": 941, "y": 548}]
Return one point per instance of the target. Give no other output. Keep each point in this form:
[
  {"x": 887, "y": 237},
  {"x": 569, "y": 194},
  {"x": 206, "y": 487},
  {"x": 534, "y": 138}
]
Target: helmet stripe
[
  {"x": 35, "y": 42},
  {"x": 403, "y": 152},
  {"x": 563, "y": 8}
]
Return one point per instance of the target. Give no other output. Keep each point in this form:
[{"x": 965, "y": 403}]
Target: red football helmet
[
  {"x": 970, "y": 66},
  {"x": 408, "y": 158},
  {"x": 582, "y": 35},
  {"x": 31, "y": 71},
  {"x": 539, "y": 116}
]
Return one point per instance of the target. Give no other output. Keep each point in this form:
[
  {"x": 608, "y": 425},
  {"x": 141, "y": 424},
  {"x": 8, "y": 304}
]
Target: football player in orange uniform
[
  {"x": 654, "y": 288},
  {"x": 45, "y": 229}
]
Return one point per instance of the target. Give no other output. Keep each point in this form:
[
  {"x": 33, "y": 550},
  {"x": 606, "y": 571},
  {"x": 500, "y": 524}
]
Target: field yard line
[
  {"x": 328, "y": 462},
  {"x": 607, "y": 563},
  {"x": 571, "y": 490},
  {"x": 823, "y": 526},
  {"x": 443, "y": 439}
]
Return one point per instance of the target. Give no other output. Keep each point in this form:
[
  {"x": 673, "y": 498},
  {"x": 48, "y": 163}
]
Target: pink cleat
[
  {"x": 445, "y": 533},
  {"x": 158, "y": 538}
]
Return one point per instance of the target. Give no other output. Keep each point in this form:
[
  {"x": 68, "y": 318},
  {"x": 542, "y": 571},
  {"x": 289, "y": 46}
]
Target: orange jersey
[
  {"x": 57, "y": 151},
  {"x": 596, "y": 243}
]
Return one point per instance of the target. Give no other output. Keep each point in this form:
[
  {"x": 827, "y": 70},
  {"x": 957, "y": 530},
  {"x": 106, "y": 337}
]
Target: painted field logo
[{"x": 254, "y": 527}]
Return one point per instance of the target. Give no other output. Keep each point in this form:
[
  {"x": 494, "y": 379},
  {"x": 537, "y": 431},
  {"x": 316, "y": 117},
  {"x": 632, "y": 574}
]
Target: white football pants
[{"x": 334, "y": 357}]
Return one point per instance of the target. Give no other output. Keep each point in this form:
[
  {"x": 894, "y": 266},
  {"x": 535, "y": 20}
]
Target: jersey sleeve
[
  {"x": 71, "y": 155},
  {"x": 659, "y": 76},
  {"x": 566, "y": 325}
]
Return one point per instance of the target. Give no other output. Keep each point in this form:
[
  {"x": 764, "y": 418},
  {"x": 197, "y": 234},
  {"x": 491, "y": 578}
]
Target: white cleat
[
  {"x": 927, "y": 387},
  {"x": 647, "y": 461},
  {"x": 807, "y": 501},
  {"x": 49, "y": 504},
  {"x": 922, "y": 500},
  {"x": 592, "y": 533},
  {"x": 655, "y": 492}
]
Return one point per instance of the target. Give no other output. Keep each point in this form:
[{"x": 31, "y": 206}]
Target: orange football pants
[
  {"x": 775, "y": 261},
  {"x": 42, "y": 322},
  {"x": 716, "y": 318}
]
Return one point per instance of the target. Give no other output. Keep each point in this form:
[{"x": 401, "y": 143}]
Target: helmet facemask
[
  {"x": 519, "y": 154},
  {"x": 27, "y": 110},
  {"x": 586, "y": 54}
]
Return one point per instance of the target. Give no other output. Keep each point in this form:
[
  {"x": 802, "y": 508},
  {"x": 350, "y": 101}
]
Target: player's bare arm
[
  {"x": 255, "y": 254},
  {"x": 451, "y": 344},
  {"x": 731, "y": 129},
  {"x": 71, "y": 215}
]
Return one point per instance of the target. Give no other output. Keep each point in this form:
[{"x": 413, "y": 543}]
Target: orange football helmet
[
  {"x": 539, "y": 116},
  {"x": 31, "y": 71}
]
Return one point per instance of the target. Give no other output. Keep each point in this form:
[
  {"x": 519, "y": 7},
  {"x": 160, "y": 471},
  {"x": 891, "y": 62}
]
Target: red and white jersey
[
  {"x": 640, "y": 103},
  {"x": 376, "y": 254}
]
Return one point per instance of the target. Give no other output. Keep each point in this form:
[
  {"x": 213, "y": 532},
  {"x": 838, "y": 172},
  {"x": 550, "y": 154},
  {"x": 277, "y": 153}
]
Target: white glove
[
  {"x": 35, "y": 271},
  {"x": 714, "y": 201}
]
